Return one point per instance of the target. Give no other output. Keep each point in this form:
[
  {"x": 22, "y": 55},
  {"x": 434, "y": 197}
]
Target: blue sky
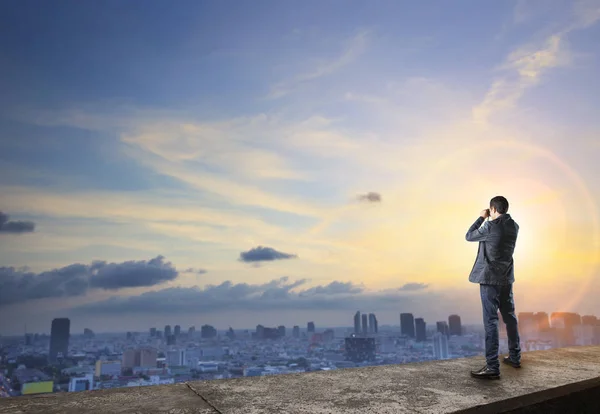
[{"x": 200, "y": 130}]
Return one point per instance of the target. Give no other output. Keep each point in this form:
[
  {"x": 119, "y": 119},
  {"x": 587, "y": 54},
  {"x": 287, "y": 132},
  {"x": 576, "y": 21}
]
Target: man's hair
[{"x": 500, "y": 204}]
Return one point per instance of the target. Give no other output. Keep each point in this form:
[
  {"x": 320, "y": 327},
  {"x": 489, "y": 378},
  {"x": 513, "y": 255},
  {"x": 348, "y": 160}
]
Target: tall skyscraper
[
  {"x": 454, "y": 325},
  {"x": 372, "y": 323},
  {"x": 191, "y": 331},
  {"x": 167, "y": 330},
  {"x": 310, "y": 327},
  {"x": 421, "y": 332},
  {"x": 440, "y": 346},
  {"x": 59, "y": 339},
  {"x": 442, "y": 327},
  {"x": 565, "y": 323},
  {"x": 281, "y": 331},
  {"x": 153, "y": 332},
  {"x": 177, "y": 330},
  {"x": 357, "y": 322},
  {"x": 365, "y": 325},
  {"x": 296, "y": 331},
  {"x": 407, "y": 324}
]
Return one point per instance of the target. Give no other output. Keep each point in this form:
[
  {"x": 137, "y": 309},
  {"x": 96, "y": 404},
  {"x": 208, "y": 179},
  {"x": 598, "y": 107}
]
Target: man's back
[{"x": 497, "y": 240}]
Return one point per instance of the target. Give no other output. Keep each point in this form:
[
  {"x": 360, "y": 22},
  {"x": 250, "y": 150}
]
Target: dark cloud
[
  {"x": 276, "y": 295},
  {"x": 414, "y": 286},
  {"x": 370, "y": 197},
  {"x": 196, "y": 271},
  {"x": 15, "y": 227},
  {"x": 20, "y": 285},
  {"x": 262, "y": 254}
]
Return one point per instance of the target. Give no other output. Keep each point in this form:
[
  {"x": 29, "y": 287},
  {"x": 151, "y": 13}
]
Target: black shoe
[
  {"x": 486, "y": 373},
  {"x": 512, "y": 363}
]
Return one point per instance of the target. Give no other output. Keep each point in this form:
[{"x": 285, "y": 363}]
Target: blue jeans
[{"x": 494, "y": 298}]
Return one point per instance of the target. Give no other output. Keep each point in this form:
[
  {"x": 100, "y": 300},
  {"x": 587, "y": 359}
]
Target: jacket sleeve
[{"x": 477, "y": 232}]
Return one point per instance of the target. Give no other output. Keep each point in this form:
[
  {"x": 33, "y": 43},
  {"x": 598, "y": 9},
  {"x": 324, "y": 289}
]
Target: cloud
[
  {"x": 262, "y": 254},
  {"x": 370, "y": 197},
  {"x": 355, "y": 47},
  {"x": 333, "y": 288},
  {"x": 196, "y": 271},
  {"x": 15, "y": 227},
  {"x": 279, "y": 294},
  {"x": 526, "y": 65},
  {"x": 20, "y": 285},
  {"x": 413, "y": 286}
]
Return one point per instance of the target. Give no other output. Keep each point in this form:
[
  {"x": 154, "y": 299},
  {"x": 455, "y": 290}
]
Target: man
[{"x": 494, "y": 272}]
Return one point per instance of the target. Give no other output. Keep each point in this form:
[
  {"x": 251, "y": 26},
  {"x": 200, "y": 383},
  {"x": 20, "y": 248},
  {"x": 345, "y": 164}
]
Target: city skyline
[{"x": 198, "y": 164}]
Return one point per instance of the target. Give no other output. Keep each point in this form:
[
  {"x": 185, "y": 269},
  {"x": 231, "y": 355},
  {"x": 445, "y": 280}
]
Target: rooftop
[{"x": 565, "y": 380}]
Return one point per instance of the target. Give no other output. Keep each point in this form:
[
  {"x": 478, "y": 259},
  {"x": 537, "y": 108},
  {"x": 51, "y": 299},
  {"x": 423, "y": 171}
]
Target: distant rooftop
[{"x": 564, "y": 381}]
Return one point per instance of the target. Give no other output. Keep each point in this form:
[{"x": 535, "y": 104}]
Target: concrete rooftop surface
[{"x": 565, "y": 380}]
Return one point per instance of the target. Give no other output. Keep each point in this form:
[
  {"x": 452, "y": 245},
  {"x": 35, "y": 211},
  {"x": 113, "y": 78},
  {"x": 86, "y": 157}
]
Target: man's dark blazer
[{"x": 497, "y": 239}]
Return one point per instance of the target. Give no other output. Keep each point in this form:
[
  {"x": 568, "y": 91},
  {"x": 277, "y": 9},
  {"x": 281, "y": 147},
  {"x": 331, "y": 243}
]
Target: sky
[{"x": 236, "y": 163}]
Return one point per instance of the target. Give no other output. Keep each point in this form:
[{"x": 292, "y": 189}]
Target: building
[
  {"x": 442, "y": 327},
  {"x": 208, "y": 332},
  {"x": 543, "y": 322},
  {"x": 528, "y": 325},
  {"x": 59, "y": 339},
  {"x": 357, "y": 322},
  {"x": 129, "y": 359},
  {"x": 454, "y": 325},
  {"x": 407, "y": 324},
  {"x": 565, "y": 323},
  {"x": 310, "y": 327},
  {"x": 171, "y": 340},
  {"x": 176, "y": 358},
  {"x": 296, "y": 332},
  {"x": 420, "y": 328},
  {"x": 177, "y": 330},
  {"x": 109, "y": 368},
  {"x": 84, "y": 383},
  {"x": 191, "y": 331},
  {"x": 360, "y": 349},
  {"x": 144, "y": 357},
  {"x": 152, "y": 332},
  {"x": 88, "y": 333},
  {"x": 440, "y": 346},
  {"x": 281, "y": 331},
  {"x": 365, "y": 324},
  {"x": 147, "y": 357},
  {"x": 372, "y": 323},
  {"x": 167, "y": 330}
]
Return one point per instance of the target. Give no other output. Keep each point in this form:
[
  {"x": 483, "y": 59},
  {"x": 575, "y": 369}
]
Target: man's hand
[{"x": 485, "y": 213}]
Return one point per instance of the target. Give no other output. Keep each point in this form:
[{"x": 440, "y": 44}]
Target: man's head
[{"x": 498, "y": 206}]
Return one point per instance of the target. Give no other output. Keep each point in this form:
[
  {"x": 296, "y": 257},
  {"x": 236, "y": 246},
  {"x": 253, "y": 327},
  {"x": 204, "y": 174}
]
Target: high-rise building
[
  {"x": 365, "y": 325},
  {"x": 59, "y": 339},
  {"x": 589, "y": 320},
  {"x": 528, "y": 325},
  {"x": 296, "y": 331},
  {"x": 208, "y": 332},
  {"x": 543, "y": 322},
  {"x": 442, "y": 327},
  {"x": 440, "y": 346},
  {"x": 565, "y": 323},
  {"x": 152, "y": 332},
  {"x": 420, "y": 328},
  {"x": 372, "y": 323},
  {"x": 167, "y": 330},
  {"x": 357, "y": 322},
  {"x": 407, "y": 324},
  {"x": 454, "y": 325},
  {"x": 128, "y": 336},
  {"x": 129, "y": 359},
  {"x": 88, "y": 333},
  {"x": 171, "y": 340},
  {"x": 177, "y": 330},
  {"x": 359, "y": 349},
  {"x": 281, "y": 331},
  {"x": 191, "y": 331},
  {"x": 176, "y": 358},
  {"x": 310, "y": 327},
  {"x": 147, "y": 357}
]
